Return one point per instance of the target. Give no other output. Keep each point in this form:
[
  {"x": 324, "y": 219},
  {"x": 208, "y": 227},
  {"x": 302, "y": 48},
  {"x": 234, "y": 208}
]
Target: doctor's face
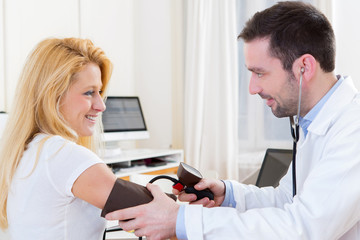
[
  {"x": 268, "y": 79},
  {"x": 82, "y": 104}
]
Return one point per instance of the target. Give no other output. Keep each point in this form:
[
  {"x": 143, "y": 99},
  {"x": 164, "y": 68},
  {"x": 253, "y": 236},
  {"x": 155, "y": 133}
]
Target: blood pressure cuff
[{"x": 125, "y": 194}]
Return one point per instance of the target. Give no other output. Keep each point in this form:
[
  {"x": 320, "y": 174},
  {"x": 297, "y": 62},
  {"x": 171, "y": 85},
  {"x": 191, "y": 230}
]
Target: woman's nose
[{"x": 99, "y": 104}]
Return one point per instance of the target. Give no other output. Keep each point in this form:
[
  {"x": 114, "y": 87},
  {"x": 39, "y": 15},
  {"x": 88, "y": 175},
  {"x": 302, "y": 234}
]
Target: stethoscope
[{"x": 294, "y": 125}]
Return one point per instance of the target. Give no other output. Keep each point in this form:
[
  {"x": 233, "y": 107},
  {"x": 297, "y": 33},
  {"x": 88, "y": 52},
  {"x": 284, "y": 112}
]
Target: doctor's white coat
[{"x": 327, "y": 204}]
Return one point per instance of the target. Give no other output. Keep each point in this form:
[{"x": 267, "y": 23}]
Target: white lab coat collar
[{"x": 343, "y": 95}]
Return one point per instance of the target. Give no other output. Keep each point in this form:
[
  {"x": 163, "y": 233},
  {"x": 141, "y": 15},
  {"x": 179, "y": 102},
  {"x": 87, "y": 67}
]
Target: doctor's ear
[{"x": 306, "y": 66}]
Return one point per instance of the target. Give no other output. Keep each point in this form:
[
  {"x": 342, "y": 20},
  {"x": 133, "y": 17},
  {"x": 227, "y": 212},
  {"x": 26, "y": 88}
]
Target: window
[{"x": 258, "y": 127}]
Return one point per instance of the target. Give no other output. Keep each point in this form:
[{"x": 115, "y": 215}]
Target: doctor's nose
[{"x": 254, "y": 87}]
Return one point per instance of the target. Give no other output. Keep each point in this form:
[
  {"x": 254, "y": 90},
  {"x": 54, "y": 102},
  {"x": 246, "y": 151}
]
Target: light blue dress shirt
[{"x": 310, "y": 116}]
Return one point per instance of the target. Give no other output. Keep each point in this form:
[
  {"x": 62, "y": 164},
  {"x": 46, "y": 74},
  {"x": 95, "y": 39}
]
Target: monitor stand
[{"x": 112, "y": 149}]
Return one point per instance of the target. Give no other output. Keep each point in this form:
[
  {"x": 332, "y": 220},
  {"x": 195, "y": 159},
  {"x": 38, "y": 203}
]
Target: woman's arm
[{"x": 94, "y": 185}]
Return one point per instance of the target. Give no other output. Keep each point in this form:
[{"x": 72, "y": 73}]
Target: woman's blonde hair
[{"x": 46, "y": 77}]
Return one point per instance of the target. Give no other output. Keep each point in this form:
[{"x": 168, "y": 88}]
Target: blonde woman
[{"x": 53, "y": 185}]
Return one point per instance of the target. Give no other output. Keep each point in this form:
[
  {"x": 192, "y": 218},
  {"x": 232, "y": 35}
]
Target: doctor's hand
[
  {"x": 217, "y": 187},
  {"x": 155, "y": 220}
]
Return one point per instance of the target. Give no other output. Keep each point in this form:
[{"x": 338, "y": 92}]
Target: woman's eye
[{"x": 89, "y": 93}]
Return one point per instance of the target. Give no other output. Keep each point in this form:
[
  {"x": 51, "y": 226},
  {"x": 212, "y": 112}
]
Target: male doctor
[{"x": 288, "y": 47}]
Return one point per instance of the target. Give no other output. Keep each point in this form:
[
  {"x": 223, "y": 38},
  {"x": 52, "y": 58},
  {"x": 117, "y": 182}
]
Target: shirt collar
[{"x": 305, "y": 121}]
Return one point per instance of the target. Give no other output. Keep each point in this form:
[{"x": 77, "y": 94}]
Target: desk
[{"x": 171, "y": 157}]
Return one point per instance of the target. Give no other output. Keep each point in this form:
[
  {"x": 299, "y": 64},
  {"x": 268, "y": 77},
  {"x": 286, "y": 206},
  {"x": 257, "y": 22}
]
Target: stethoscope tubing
[{"x": 295, "y": 134}]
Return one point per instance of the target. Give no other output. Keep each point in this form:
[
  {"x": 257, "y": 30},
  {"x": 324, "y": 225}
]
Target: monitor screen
[
  {"x": 123, "y": 119},
  {"x": 275, "y": 165}
]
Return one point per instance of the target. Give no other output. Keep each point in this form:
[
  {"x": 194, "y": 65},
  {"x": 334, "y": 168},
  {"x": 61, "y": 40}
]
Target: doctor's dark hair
[{"x": 293, "y": 29}]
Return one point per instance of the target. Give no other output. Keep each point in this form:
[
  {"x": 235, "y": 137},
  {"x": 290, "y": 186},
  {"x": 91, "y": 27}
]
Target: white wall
[
  {"x": 2, "y": 81},
  {"x": 135, "y": 34},
  {"x": 345, "y": 22},
  {"x": 110, "y": 25},
  {"x": 28, "y": 22},
  {"x": 153, "y": 68}
]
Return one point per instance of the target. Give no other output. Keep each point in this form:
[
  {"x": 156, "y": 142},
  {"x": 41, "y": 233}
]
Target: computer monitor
[
  {"x": 274, "y": 166},
  {"x": 123, "y": 119}
]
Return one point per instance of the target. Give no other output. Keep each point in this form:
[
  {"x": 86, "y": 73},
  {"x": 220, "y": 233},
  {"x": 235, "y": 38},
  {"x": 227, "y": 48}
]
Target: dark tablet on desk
[{"x": 274, "y": 166}]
